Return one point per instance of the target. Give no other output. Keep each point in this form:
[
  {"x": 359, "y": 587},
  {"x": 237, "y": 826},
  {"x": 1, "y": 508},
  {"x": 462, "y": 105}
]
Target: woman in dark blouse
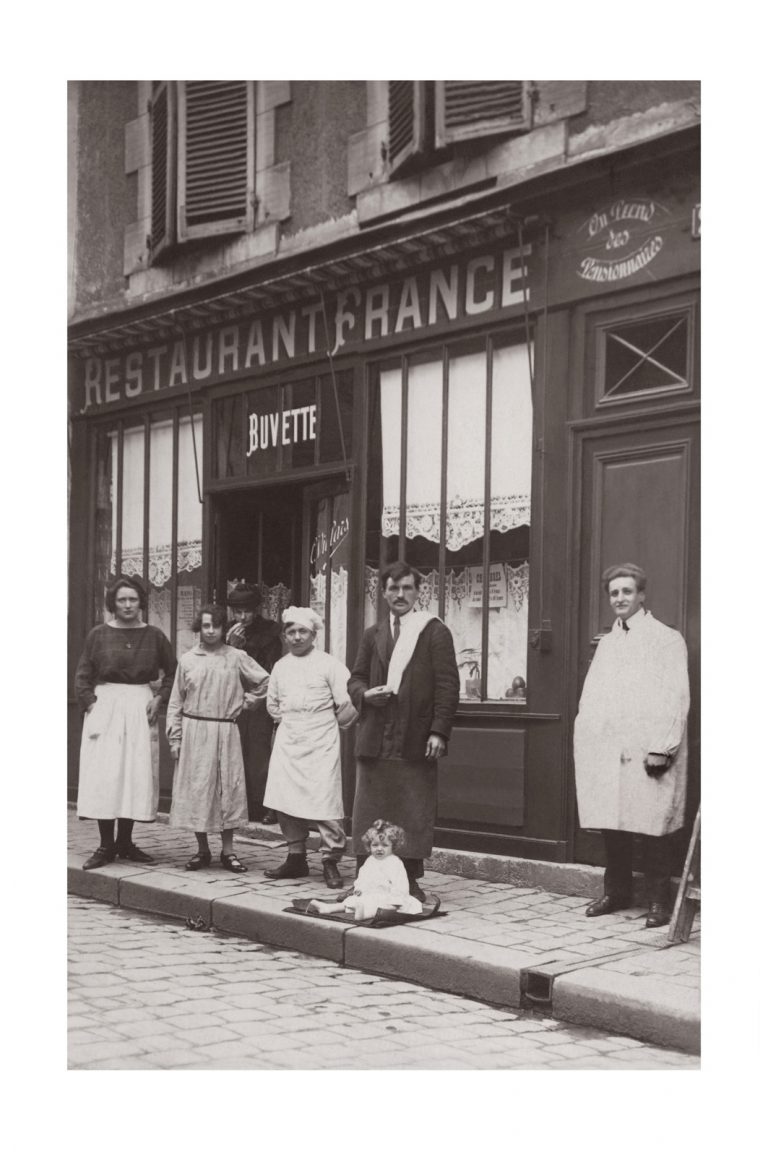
[{"x": 119, "y": 753}]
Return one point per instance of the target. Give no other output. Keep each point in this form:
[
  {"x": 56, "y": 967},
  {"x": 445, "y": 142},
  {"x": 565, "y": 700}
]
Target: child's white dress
[{"x": 382, "y": 884}]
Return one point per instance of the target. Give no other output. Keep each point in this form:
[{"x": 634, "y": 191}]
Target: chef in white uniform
[{"x": 308, "y": 699}]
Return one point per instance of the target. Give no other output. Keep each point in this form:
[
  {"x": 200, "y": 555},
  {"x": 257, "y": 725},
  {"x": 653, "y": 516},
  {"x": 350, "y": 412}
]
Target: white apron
[
  {"x": 119, "y": 756},
  {"x": 305, "y": 766},
  {"x": 635, "y": 701}
]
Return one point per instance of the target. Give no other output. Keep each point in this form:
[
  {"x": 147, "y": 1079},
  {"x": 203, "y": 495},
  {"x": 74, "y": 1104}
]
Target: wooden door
[{"x": 639, "y": 502}]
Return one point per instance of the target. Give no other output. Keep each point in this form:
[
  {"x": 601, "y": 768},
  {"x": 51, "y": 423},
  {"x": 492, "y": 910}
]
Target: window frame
[
  {"x": 447, "y": 349},
  {"x": 102, "y": 429}
]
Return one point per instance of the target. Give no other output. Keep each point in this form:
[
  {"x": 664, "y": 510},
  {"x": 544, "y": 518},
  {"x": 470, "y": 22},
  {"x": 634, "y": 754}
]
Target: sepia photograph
[{"x": 384, "y": 534}]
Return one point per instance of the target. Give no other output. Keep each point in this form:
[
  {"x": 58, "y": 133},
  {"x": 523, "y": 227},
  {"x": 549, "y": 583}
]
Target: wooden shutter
[
  {"x": 162, "y": 132},
  {"x": 467, "y": 109},
  {"x": 406, "y": 121},
  {"x": 216, "y": 157}
]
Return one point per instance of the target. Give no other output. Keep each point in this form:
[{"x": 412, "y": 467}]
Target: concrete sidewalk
[{"x": 501, "y": 942}]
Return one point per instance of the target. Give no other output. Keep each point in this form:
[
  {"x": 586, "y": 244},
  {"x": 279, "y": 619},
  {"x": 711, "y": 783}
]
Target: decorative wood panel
[{"x": 482, "y": 779}]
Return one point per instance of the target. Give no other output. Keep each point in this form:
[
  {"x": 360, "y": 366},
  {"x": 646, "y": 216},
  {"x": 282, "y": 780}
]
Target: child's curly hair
[{"x": 383, "y": 830}]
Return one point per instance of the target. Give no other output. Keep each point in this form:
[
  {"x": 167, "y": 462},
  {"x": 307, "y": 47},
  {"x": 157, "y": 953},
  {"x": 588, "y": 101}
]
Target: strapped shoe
[
  {"x": 291, "y": 868},
  {"x": 132, "y": 852},
  {"x": 231, "y": 862},
  {"x": 198, "y": 861},
  {"x": 658, "y": 916},
  {"x": 331, "y": 874},
  {"x": 100, "y": 857},
  {"x": 607, "y": 904}
]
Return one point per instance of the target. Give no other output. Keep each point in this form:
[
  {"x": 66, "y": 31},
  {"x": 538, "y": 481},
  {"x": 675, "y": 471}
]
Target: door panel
[{"x": 639, "y": 504}]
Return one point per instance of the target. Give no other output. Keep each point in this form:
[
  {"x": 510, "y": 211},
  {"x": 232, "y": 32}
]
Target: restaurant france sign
[{"x": 485, "y": 284}]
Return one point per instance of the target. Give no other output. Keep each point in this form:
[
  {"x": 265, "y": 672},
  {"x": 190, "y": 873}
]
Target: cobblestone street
[{"x": 147, "y": 993}]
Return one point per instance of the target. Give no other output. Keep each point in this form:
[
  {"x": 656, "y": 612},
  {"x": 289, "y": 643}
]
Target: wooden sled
[{"x": 383, "y": 918}]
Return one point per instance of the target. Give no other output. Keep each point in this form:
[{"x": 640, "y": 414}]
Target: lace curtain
[
  {"x": 507, "y": 626},
  {"x": 510, "y": 503}
]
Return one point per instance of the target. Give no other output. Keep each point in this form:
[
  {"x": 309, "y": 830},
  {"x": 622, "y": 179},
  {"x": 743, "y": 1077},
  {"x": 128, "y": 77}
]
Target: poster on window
[{"x": 497, "y": 587}]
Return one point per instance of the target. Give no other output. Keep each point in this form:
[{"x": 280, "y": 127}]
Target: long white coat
[
  {"x": 635, "y": 700},
  {"x": 305, "y": 766}
]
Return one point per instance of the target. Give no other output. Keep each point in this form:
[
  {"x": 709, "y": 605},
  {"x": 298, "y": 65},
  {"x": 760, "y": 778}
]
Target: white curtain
[
  {"x": 189, "y": 555},
  {"x": 339, "y": 586},
  {"x": 511, "y": 431}
]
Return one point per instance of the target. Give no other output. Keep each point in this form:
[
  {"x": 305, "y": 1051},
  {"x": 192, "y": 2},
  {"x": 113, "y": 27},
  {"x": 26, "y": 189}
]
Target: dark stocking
[
  {"x": 124, "y": 833},
  {"x": 107, "y": 833}
]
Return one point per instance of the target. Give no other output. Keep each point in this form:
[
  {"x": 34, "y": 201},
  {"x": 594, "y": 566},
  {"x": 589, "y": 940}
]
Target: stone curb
[
  {"x": 496, "y": 975},
  {"x": 633, "y": 1005}
]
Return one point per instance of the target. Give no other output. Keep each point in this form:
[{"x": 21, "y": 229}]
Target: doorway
[
  {"x": 639, "y": 502},
  {"x": 293, "y": 542}
]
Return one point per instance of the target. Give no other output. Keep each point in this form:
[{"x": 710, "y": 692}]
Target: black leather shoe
[
  {"x": 291, "y": 869},
  {"x": 658, "y": 916},
  {"x": 269, "y": 817},
  {"x": 331, "y": 874},
  {"x": 607, "y": 904},
  {"x": 100, "y": 857},
  {"x": 198, "y": 861},
  {"x": 230, "y": 861},
  {"x": 417, "y": 892},
  {"x": 131, "y": 852}
]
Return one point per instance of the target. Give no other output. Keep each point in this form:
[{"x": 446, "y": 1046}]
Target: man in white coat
[{"x": 630, "y": 746}]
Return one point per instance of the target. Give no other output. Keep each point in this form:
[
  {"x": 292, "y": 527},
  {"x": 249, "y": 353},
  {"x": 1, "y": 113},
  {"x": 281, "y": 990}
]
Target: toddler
[{"x": 382, "y": 882}]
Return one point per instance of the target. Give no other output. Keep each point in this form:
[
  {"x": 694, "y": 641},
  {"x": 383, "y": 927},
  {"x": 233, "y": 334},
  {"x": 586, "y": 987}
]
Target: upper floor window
[
  {"x": 203, "y": 160},
  {"x": 427, "y": 115}
]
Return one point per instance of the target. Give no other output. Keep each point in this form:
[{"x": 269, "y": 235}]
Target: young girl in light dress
[{"x": 382, "y": 882}]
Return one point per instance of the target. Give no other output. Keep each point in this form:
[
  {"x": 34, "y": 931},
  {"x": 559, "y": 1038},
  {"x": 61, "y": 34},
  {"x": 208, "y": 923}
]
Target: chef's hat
[{"x": 306, "y": 617}]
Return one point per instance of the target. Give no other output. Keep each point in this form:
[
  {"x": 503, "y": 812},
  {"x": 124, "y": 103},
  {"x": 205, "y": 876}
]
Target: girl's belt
[{"x": 212, "y": 719}]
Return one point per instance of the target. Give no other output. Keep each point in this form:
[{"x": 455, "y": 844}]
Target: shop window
[
  {"x": 645, "y": 356},
  {"x": 156, "y": 533},
  {"x": 203, "y": 160},
  {"x": 451, "y": 487},
  {"x": 426, "y": 115}
]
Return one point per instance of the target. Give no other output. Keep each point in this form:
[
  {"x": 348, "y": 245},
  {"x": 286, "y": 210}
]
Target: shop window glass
[
  {"x": 444, "y": 538},
  {"x": 648, "y": 355},
  {"x": 330, "y": 432},
  {"x": 132, "y": 484},
  {"x": 104, "y": 522},
  {"x": 228, "y": 429},
  {"x": 329, "y": 568}
]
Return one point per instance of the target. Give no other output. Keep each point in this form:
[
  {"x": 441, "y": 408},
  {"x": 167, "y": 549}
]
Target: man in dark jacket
[
  {"x": 405, "y": 686},
  {"x": 262, "y": 640}
]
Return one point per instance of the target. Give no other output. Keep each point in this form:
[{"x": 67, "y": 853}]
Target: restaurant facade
[{"x": 504, "y": 390}]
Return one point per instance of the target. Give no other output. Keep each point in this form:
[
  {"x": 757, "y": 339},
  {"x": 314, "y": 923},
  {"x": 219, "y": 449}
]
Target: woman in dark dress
[{"x": 119, "y": 753}]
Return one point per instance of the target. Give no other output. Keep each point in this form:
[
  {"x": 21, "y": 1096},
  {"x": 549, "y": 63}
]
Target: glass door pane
[{"x": 327, "y": 562}]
